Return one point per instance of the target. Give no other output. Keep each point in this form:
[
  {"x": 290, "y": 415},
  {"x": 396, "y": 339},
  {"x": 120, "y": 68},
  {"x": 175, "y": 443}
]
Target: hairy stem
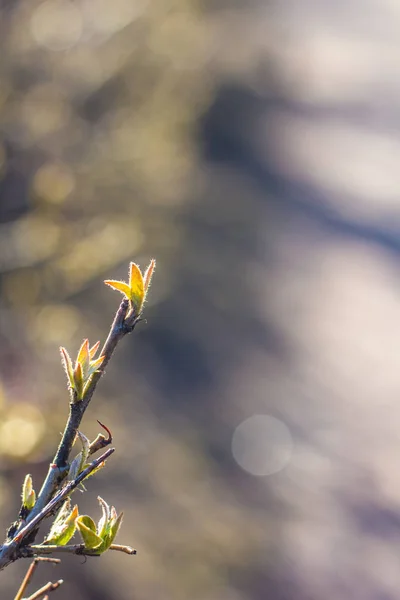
[{"x": 59, "y": 467}]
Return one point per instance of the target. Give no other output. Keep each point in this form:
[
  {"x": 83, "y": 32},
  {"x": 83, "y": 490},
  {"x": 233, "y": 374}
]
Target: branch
[
  {"x": 13, "y": 550},
  {"x": 30, "y": 572},
  {"x": 125, "y": 549},
  {"x": 59, "y": 467},
  {"x": 49, "y": 587},
  {"x": 61, "y": 495},
  {"x": 83, "y": 380},
  {"x": 41, "y": 550}
]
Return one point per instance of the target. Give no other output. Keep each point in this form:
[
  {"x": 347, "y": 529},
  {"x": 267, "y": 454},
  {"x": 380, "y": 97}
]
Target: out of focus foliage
[
  {"x": 100, "y": 106},
  {"x": 99, "y": 103}
]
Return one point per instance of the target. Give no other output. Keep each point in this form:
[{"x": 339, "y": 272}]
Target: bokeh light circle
[
  {"x": 57, "y": 25},
  {"x": 21, "y": 429},
  {"x": 262, "y": 445}
]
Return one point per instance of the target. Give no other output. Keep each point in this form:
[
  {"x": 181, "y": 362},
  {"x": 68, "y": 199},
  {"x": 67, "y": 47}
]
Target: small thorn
[{"x": 109, "y": 440}]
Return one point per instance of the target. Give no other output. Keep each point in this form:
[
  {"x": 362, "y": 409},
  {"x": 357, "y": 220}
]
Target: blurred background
[{"x": 253, "y": 148}]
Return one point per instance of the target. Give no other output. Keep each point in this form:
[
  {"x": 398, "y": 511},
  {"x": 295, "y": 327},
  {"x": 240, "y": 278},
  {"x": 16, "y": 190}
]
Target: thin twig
[
  {"x": 125, "y": 549},
  {"x": 58, "y": 467},
  {"x": 42, "y": 550},
  {"x": 49, "y": 587},
  {"x": 30, "y": 572}
]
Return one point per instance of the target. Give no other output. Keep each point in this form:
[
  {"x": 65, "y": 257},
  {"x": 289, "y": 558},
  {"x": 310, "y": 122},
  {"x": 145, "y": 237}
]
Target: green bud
[{"x": 28, "y": 493}]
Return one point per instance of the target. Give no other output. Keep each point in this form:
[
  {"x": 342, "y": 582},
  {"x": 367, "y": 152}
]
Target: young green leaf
[
  {"x": 64, "y": 525},
  {"x": 100, "y": 539},
  {"x": 78, "y": 381},
  {"x": 87, "y": 529},
  {"x": 93, "y": 350},
  {"x": 79, "y": 462},
  {"x": 67, "y": 364},
  {"x": 83, "y": 357},
  {"x": 137, "y": 287}
]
